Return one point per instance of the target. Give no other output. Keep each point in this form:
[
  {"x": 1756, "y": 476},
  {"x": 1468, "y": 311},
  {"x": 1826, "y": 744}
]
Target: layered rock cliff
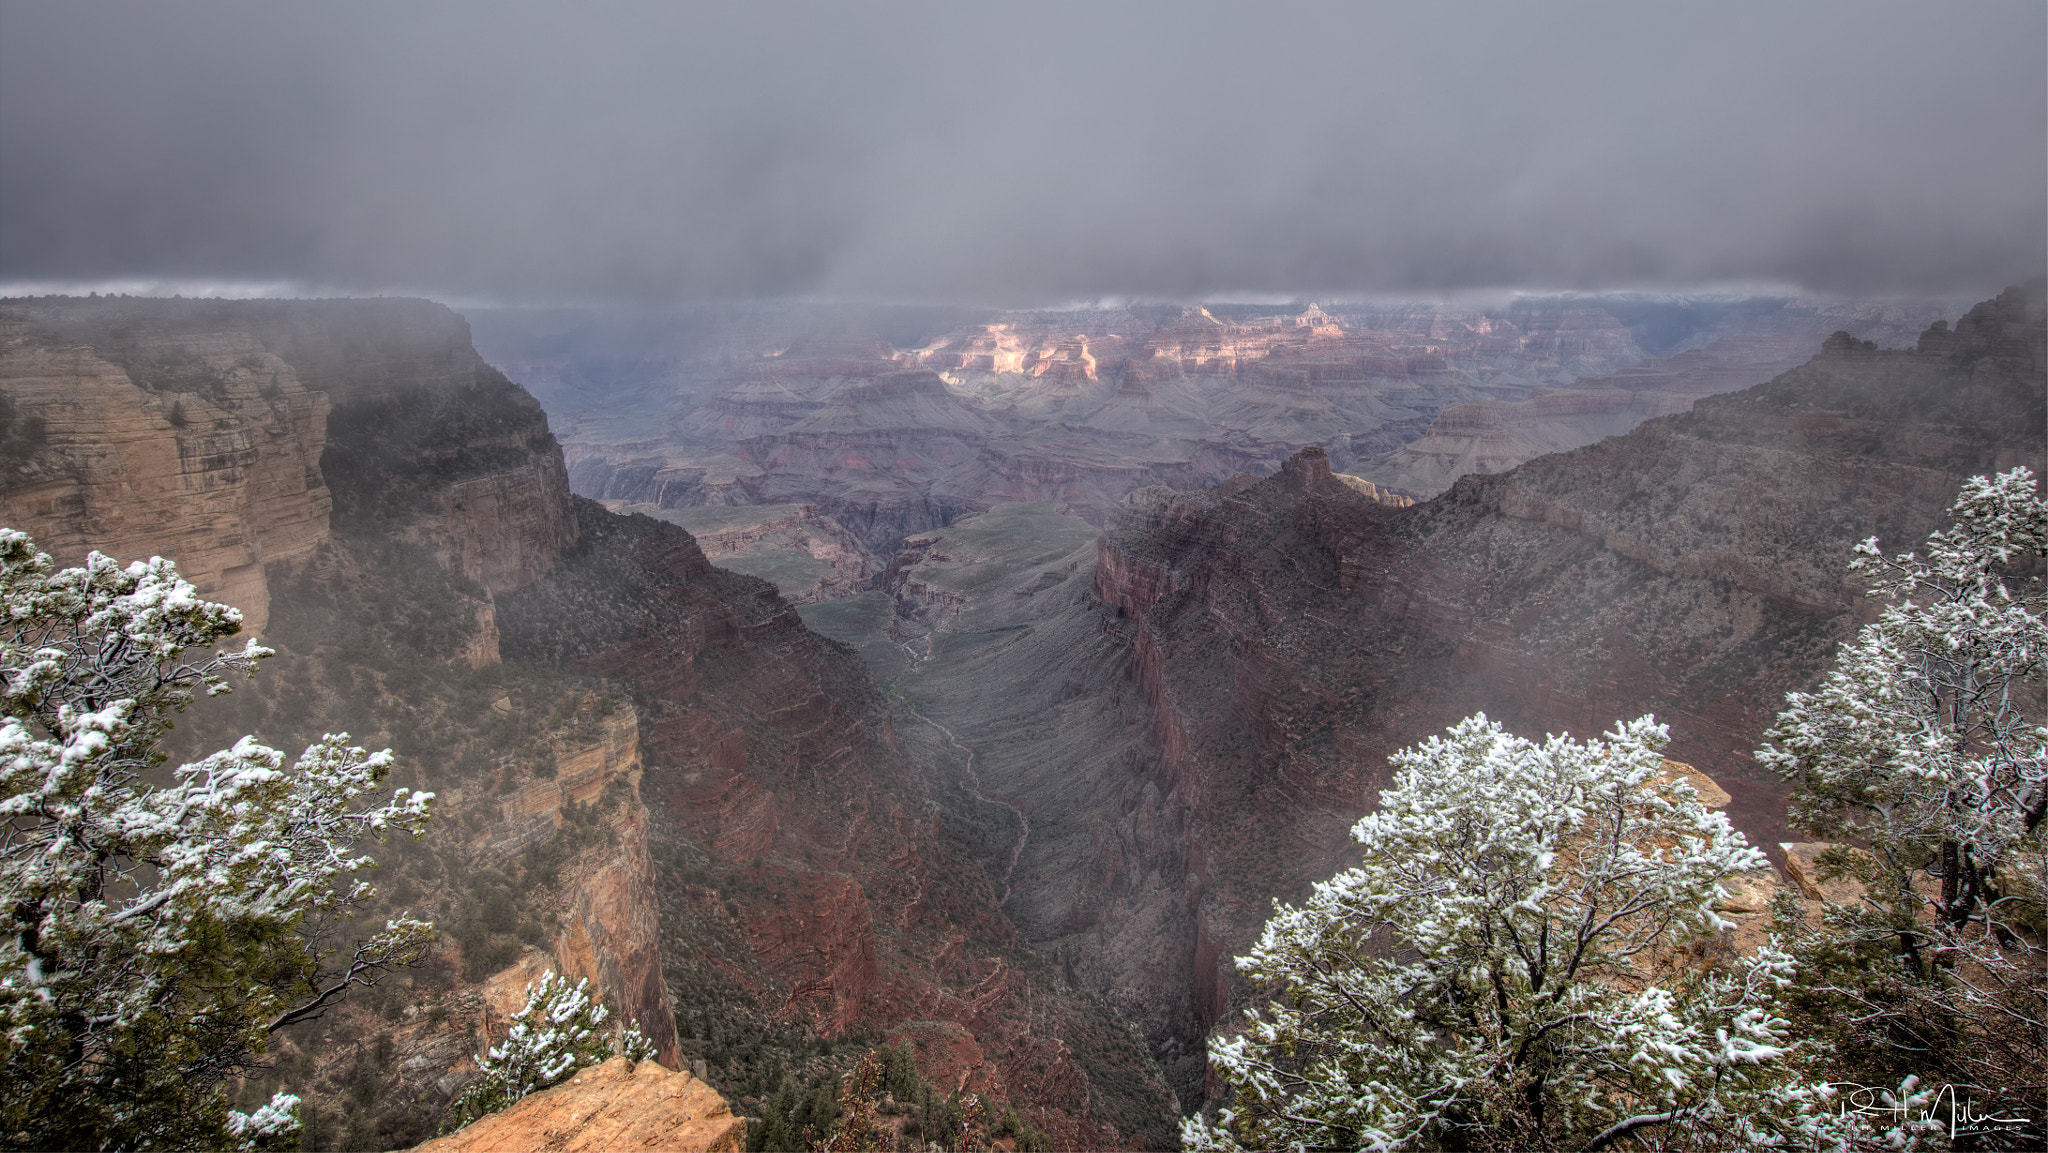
[
  {"x": 202, "y": 445},
  {"x": 225, "y": 435}
]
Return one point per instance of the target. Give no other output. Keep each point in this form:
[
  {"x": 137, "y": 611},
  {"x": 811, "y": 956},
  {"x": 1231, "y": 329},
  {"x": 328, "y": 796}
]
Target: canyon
[
  {"x": 757, "y": 885},
  {"x": 955, "y": 411},
  {"x": 1193, "y": 711},
  {"x": 969, "y": 680}
]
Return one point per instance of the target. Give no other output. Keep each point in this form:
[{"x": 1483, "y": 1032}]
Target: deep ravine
[{"x": 973, "y": 778}]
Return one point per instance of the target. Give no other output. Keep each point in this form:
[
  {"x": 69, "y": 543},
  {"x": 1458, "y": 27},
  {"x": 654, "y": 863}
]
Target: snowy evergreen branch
[
  {"x": 1509, "y": 964},
  {"x": 1927, "y": 745},
  {"x": 560, "y": 1030},
  {"x": 1924, "y": 754},
  {"x": 160, "y": 921}
]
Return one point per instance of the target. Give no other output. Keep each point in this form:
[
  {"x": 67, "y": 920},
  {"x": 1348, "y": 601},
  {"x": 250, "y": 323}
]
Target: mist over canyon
[
  {"x": 818, "y": 677},
  {"x": 897, "y": 532},
  {"x": 1027, "y": 155}
]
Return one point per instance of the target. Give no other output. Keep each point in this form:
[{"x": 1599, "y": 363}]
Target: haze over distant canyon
[
  {"x": 843, "y": 441},
  {"x": 905, "y": 528}
]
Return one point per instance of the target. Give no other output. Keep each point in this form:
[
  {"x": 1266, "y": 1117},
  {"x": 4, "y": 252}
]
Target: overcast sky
[{"x": 1024, "y": 153}]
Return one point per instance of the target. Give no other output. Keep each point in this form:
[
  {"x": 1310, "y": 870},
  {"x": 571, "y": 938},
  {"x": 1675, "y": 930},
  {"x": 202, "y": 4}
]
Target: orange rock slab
[{"x": 609, "y": 1108}]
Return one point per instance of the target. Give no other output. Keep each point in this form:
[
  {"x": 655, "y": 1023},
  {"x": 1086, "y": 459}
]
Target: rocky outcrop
[
  {"x": 916, "y": 597},
  {"x": 1373, "y": 492},
  {"x": 806, "y": 555},
  {"x": 1013, "y": 550},
  {"x": 614, "y": 1106}
]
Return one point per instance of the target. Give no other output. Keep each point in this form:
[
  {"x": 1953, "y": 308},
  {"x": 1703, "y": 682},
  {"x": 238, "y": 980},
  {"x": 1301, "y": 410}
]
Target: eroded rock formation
[
  {"x": 1493, "y": 435},
  {"x": 1081, "y": 407},
  {"x": 225, "y": 434},
  {"x": 806, "y": 555}
]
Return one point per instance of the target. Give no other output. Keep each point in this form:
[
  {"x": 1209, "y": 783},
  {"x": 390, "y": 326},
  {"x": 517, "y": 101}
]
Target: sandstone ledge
[{"x": 613, "y": 1106}]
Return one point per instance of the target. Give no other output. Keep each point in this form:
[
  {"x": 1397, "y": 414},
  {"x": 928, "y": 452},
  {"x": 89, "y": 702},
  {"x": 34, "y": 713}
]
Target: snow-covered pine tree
[
  {"x": 560, "y": 1030},
  {"x": 1928, "y": 742},
  {"x": 1924, "y": 755},
  {"x": 161, "y": 922},
  {"x": 1501, "y": 971}
]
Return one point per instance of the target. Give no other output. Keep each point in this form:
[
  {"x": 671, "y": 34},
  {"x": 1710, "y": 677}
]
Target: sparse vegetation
[
  {"x": 561, "y": 1029},
  {"x": 882, "y": 1103}
]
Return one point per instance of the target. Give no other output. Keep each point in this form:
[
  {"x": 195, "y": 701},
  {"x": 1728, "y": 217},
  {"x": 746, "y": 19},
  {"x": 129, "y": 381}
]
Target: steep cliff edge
[
  {"x": 360, "y": 484},
  {"x": 227, "y": 435}
]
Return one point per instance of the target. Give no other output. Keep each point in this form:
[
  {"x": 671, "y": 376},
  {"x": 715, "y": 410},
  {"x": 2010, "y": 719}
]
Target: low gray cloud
[{"x": 1023, "y": 153}]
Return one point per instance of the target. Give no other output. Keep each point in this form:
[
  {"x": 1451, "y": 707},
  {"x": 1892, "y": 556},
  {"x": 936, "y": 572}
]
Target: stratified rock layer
[
  {"x": 806, "y": 555},
  {"x": 1080, "y": 407},
  {"x": 1494, "y": 434},
  {"x": 201, "y": 446},
  {"x": 224, "y": 433}
]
